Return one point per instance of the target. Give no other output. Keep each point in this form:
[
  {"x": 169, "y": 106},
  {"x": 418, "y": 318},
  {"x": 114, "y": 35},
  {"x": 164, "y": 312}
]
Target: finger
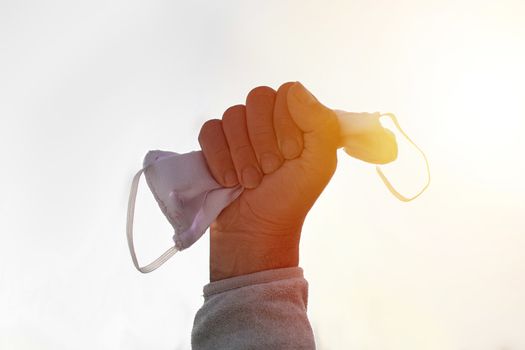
[
  {"x": 320, "y": 131},
  {"x": 241, "y": 151},
  {"x": 289, "y": 136},
  {"x": 318, "y": 123},
  {"x": 217, "y": 153},
  {"x": 259, "y": 118}
]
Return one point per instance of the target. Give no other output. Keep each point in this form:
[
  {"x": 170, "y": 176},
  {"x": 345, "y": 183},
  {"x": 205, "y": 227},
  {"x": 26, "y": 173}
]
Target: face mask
[
  {"x": 191, "y": 199},
  {"x": 186, "y": 193},
  {"x": 364, "y": 137}
]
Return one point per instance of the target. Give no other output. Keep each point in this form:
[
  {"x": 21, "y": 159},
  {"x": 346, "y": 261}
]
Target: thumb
[{"x": 318, "y": 123}]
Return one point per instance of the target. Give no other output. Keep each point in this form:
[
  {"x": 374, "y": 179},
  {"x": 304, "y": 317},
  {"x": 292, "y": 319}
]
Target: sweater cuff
[{"x": 266, "y": 276}]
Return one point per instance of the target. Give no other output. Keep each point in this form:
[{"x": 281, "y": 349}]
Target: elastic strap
[
  {"x": 382, "y": 175},
  {"x": 129, "y": 231}
]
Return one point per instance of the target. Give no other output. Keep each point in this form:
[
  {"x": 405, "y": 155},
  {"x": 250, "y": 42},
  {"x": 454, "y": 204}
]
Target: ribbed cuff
[{"x": 251, "y": 279}]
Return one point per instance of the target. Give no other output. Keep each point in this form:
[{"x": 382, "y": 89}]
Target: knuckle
[
  {"x": 285, "y": 86},
  {"x": 209, "y": 127},
  {"x": 261, "y": 90},
  {"x": 283, "y": 122},
  {"x": 241, "y": 149},
  {"x": 287, "y": 133},
  {"x": 262, "y": 134},
  {"x": 232, "y": 113},
  {"x": 220, "y": 154}
]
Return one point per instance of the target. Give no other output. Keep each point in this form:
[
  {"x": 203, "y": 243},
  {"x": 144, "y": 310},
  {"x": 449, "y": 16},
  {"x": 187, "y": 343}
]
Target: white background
[{"x": 87, "y": 88}]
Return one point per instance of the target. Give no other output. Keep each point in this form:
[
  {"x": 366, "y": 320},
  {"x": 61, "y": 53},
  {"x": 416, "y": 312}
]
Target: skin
[{"x": 281, "y": 147}]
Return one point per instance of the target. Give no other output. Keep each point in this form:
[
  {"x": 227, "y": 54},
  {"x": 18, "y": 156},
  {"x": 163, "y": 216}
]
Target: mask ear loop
[
  {"x": 129, "y": 231},
  {"x": 382, "y": 175}
]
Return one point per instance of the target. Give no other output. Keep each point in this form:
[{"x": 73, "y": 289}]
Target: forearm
[{"x": 263, "y": 310}]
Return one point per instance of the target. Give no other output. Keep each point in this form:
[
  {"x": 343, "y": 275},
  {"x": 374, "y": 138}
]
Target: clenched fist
[{"x": 281, "y": 147}]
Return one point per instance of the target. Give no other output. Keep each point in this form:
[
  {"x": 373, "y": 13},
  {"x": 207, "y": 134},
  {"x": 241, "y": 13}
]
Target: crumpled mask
[{"x": 191, "y": 199}]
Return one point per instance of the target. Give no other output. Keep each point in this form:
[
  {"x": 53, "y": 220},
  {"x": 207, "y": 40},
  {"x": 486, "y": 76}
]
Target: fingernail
[
  {"x": 290, "y": 148},
  {"x": 302, "y": 95},
  {"x": 269, "y": 162},
  {"x": 230, "y": 178},
  {"x": 251, "y": 177}
]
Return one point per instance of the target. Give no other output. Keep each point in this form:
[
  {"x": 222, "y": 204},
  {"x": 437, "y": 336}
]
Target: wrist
[{"x": 239, "y": 253}]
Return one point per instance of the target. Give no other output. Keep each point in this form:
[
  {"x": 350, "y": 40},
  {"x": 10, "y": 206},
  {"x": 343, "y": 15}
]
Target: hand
[{"x": 281, "y": 147}]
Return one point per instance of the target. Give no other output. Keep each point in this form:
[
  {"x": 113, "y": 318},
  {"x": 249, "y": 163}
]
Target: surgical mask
[{"x": 191, "y": 199}]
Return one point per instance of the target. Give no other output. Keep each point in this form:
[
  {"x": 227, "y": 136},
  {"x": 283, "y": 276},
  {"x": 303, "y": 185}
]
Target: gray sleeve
[{"x": 262, "y": 310}]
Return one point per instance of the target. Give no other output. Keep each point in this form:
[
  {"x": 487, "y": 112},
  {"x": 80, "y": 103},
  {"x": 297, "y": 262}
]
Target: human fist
[{"x": 281, "y": 147}]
